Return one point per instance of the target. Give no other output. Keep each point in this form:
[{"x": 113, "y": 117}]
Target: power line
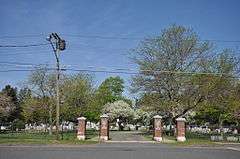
[
  {"x": 103, "y": 37},
  {"x": 16, "y": 70},
  {"x": 18, "y": 63},
  {"x": 126, "y": 71},
  {"x": 21, "y": 36},
  {"x": 24, "y": 70},
  {"x": 27, "y": 45},
  {"x": 138, "y": 38},
  {"x": 149, "y": 71},
  {"x": 107, "y": 37}
]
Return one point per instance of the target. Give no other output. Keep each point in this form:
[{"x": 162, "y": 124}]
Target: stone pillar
[
  {"x": 81, "y": 128},
  {"x": 104, "y": 127},
  {"x": 157, "y": 135},
  {"x": 181, "y": 129}
]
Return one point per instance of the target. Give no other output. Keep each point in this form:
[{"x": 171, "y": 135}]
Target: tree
[
  {"x": 35, "y": 110},
  {"x": 42, "y": 85},
  {"x": 12, "y": 93},
  {"x": 177, "y": 49},
  {"x": 110, "y": 90},
  {"x": 119, "y": 110},
  {"x": 23, "y": 94},
  {"x": 143, "y": 117},
  {"x": 77, "y": 94},
  {"x": 221, "y": 89},
  {"x": 6, "y": 107}
]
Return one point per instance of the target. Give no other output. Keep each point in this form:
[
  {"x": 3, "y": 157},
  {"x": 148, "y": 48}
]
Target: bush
[{"x": 18, "y": 125}]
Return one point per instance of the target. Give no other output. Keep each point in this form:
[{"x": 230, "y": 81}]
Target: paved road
[
  {"x": 116, "y": 151},
  {"x": 127, "y": 136}
]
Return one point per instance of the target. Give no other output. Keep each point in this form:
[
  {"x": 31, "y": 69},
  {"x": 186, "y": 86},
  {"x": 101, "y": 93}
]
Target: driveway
[{"x": 126, "y": 136}]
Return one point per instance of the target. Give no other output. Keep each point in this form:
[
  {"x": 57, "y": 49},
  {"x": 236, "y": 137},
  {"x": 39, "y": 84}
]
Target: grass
[
  {"x": 192, "y": 140},
  {"x": 148, "y": 135},
  {"x": 45, "y": 138}
]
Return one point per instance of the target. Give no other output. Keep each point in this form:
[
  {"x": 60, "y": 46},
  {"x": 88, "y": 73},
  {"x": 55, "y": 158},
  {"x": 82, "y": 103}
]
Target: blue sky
[{"x": 215, "y": 19}]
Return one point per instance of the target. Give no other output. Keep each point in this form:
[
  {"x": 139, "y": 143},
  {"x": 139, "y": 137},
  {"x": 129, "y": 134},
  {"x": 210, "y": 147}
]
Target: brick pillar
[
  {"x": 157, "y": 135},
  {"x": 104, "y": 127},
  {"x": 81, "y": 128},
  {"x": 181, "y": 129}
]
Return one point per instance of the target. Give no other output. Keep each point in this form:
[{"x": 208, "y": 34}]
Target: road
[
  {"x": 127, "y": 136},
  {"x": 116, "y": 151}
]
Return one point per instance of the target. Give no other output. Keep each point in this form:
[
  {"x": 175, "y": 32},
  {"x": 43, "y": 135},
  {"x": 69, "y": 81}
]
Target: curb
[{"x": 132, "y": 142}]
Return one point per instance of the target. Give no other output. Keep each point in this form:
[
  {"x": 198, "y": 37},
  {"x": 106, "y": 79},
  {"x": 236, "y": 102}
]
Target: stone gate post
[
  {"x": 104, "y": 127},
  {"x": 181, "y": 129},
  {"x": 81, "y": 128},
  {"x": 157, "y": 135}
]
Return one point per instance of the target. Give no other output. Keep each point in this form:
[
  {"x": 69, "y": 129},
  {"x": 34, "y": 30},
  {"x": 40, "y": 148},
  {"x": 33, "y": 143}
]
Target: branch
[{"x": 189, "y": 108}]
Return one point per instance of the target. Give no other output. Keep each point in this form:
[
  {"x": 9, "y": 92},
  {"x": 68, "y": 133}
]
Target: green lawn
[
  {"x": 195, "y": 142},
  {"x": 192, "y": 140},
  {"x": 45, "y": 138}
]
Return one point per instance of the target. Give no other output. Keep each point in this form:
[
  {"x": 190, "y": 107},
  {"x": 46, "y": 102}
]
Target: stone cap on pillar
[
  {"x": 81, "y": 118},
  {"x": 104, "y": 116},
  {"x": 157, "y": 117},
  {"x": 181, "y": 119}
]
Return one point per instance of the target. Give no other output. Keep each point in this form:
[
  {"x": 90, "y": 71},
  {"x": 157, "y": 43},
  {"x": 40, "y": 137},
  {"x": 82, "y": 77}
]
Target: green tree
[
  {"x": 177, "y": 49},
  {"x": 42, "y": 83},
  {"x": 208, "y": 84},
  {"x": 220, "y": 89},
  {"x": 77, "y": 94},
  {"x": 35, "y": 110},
  {"x": 110, "y": 90}
]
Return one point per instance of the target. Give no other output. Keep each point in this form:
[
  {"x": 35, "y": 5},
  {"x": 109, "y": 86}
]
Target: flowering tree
[
  {"x": 6, "y": 107},
  {"x": 119, "y": 111},
  {"x": 142, "y": 117}
]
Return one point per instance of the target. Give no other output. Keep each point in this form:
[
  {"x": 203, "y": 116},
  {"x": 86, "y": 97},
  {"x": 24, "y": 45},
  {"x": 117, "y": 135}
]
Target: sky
[{"x": 85, "y": 23}]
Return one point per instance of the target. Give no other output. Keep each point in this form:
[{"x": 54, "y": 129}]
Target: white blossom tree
[
  {"x": 6, "y": 107},
  {"x": 119, "y": 111}
]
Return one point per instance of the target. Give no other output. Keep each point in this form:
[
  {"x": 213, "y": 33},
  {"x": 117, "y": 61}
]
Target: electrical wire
[
  {"x": 106, "y": 37},
  {"x": 118, "y": 70},
  {"x": 21, "y": 36},
  {"x": 27, "y": 45}
]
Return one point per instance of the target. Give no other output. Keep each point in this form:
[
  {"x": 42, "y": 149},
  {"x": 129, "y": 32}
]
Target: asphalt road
[
  {"x": 127, "y": 136},
  {"x": 116, "y": 151}
]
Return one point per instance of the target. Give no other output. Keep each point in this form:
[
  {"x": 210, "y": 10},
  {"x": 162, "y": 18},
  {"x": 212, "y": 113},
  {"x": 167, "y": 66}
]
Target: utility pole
[{"x": 59, "y": 46}]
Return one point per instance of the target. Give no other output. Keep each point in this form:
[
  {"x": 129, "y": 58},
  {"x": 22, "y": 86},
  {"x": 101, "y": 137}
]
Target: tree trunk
[
  {"x": 171, "y": 122},
  {"x": 120, "y": 126},
  {"x": 50, "y": 120},
  {"x": 170, "y": 128},
  {"x": 221, "y": 125}
]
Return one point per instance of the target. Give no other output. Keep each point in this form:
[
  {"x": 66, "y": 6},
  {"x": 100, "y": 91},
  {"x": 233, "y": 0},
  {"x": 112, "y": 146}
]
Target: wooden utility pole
[{"x": 59, "y": 46}]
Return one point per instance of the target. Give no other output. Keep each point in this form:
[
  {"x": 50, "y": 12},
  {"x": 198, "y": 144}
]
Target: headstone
[{"x": 232, "y": 138}]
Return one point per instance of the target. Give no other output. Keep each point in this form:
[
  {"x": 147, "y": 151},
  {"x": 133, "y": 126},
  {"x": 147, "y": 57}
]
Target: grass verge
[
  {"x": 171, "y": 140},
  {"x": 45, "y": 138}
]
